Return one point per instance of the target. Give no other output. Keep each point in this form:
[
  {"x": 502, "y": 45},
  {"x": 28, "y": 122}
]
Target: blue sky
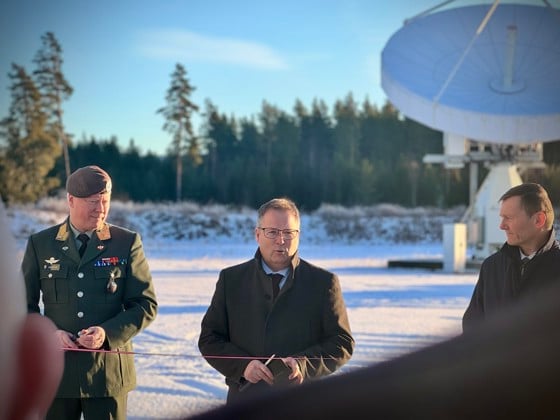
[{"x": 119, "y": 55}]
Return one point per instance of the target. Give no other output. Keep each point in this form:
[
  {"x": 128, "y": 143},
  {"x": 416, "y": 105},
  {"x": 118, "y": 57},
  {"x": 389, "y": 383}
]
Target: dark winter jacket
[
  {"x": 308, "y": 319},
  {"x": 503, "y": 280}
]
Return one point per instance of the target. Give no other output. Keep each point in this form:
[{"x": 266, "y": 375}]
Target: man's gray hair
[{"x": 277, "y": 204}]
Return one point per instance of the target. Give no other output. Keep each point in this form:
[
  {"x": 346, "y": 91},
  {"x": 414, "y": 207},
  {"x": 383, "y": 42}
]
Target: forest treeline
[
  {"x": 357, "y": 155},
  {"x": 350, "y": 153}
]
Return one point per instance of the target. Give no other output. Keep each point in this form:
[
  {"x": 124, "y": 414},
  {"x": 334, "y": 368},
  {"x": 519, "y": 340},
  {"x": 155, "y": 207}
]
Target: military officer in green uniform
[{"x": 97, "y": 288}]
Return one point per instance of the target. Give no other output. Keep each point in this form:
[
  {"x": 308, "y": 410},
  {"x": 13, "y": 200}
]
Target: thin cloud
[{"x": 182, "y": 45}]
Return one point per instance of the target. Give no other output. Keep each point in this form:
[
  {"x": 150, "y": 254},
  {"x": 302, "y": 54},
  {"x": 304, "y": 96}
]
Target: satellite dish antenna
[{"x": 488, "y": 77}]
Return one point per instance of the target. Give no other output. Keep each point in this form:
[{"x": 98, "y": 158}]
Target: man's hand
[
  {"x": 91, "y": 338},
  {"x": 256, "y": 371},
  {"x": 65, "y": 339},
  {"x": 296, "y": 376}
]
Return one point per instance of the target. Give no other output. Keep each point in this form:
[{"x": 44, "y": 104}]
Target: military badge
[
  {"x": 52, "y": 264},
  {"x": 112, "y": 284},
  {"x": 108, "y": 261}
]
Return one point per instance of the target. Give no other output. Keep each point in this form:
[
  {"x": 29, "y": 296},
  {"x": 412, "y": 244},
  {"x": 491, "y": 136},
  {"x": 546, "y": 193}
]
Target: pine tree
[
  {"x": 222, "y": 145},
  {"x": 177, "y": 113},
  {"x": 28, "y": 152},
  {"x": 54, "y": 88}
]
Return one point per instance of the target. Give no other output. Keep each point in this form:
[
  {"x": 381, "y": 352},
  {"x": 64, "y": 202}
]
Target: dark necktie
[
  {"x": 84, "y": 240},
  {"x": 276, "y": 279},
  {"x": 524, "y": 262}
]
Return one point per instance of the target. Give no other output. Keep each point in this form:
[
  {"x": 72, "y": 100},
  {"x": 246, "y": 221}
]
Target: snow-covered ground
[{"x": 391, "y": 310}]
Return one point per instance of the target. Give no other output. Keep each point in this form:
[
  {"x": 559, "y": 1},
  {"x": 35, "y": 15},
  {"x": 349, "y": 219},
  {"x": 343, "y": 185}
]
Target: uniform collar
[
  {"x": 76, "y": 232},
  {"x": 65, "y": 228}
]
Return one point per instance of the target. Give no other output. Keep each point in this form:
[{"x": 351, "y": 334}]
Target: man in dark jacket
[
  {"x": 299, "y": 318},
  {"x": 529, "y": 260},
  {"x": 97, "y": 288}
]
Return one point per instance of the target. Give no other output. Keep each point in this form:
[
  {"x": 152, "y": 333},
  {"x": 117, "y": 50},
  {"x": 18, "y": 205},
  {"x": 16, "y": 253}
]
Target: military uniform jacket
[
  {"x": 503, "y": 281},
  {"x": 75, "y": 296},
  {"x": 307, "y": 320}
]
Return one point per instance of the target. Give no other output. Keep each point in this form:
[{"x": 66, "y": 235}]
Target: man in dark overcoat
[
  {"x": 275, "y": 305},
  {"x": 96, "y": 287},
  {"x": 528, "y": 261}
]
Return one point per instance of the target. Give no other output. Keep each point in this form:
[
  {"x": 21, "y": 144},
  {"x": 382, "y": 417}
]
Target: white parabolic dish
[{"x": 483, "y": 98}]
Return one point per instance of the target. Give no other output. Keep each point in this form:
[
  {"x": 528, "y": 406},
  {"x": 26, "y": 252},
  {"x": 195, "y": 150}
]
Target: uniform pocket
[
  {"x": 55, "y": 284},
  {"x": 110, "y": 279}
]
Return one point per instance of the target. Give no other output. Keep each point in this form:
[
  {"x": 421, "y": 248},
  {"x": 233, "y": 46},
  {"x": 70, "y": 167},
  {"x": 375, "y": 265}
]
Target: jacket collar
[
  {"x": 64, "y": 231},
  {"x": 514, "y": 251},
  {"x": 294, "y": 262},
  {"x": 550, "y": 243}
]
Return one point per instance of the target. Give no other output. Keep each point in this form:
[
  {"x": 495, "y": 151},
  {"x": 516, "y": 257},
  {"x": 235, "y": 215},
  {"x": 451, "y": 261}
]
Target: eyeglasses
[{"x": 272, "y": 233}]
